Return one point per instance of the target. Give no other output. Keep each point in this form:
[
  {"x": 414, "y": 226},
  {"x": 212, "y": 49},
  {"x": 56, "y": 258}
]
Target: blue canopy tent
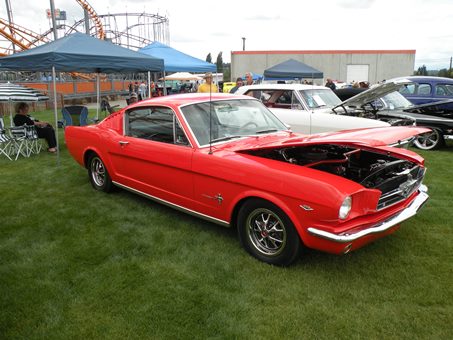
[
  {"x": 176, "y": 61},
  {"x": 292, "y": 69},
  {"x": 80, "y": 53}
]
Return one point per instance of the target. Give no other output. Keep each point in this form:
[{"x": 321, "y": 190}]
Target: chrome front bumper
[{"x": 408, "y": 212}]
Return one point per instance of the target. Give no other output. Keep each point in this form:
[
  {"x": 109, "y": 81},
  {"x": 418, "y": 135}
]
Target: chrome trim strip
[
  {"x": 175, "y": 206},
  {"x": 410, "y": 211},
  {"x": 448, "y": 136}
]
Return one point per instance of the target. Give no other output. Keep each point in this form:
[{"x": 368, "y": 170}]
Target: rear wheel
[
  {"x": 98, "y": 174},
  {"x": 267, "y": 233},
  {"x": 430, "y": 140}
]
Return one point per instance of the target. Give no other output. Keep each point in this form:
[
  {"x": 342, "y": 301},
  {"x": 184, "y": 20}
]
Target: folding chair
[
  {"x": 106, "y": 107},
  {"x": 6, "y": 142},
  {"x": 19, "y": 136},
  {"x": 75, "y": 115},
  {"x": 32, "y": 140},
  {"x": 26, "y": 140}
]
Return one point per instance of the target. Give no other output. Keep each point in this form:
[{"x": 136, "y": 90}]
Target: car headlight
[{"x": 345, "y": 208}]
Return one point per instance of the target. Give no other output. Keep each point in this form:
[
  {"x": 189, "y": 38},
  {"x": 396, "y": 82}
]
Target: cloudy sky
[{"x": 199, "y": 27}]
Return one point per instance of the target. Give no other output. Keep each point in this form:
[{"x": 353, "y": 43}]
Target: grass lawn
[{"x": 76, "y": 263}]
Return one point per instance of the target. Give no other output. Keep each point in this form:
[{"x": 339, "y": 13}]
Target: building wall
[{"x": 383, "y": 64}]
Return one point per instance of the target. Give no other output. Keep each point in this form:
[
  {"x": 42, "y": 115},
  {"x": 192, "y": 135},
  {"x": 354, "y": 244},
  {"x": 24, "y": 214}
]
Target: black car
[{"x": 384, "y": 102}]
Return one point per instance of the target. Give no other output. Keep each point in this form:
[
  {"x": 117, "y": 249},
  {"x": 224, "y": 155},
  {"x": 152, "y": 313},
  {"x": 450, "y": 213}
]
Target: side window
[
  {"x": 284, "y": 98},
  {"x": 155, "y": 123},
  {"x": 407, "y": 89},
  {"x": 424, "y": 89},
  {"x": 440, "y": 90}
]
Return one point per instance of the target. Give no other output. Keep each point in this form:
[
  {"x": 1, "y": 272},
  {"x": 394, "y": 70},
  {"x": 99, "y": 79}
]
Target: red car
[{"x": 228, "y": 159}]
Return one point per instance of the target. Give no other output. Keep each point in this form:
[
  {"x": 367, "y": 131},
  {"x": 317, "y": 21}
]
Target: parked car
[
  {"x": 384, "y": 102},
  {"x": 228, "y": 159},
  {"x": 227, "y": 86},
  {"x": 424, "y": 89},
  {"x": 306, "y": 108}
]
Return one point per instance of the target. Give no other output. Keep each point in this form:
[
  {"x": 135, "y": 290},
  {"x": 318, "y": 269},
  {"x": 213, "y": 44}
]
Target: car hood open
[{"x": 373, "y": 93}]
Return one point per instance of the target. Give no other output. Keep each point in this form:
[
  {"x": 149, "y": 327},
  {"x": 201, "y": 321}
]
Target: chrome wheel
[
  {"x": 429, "y": 140},
  {"x": 266, "y": 231},
  {"x": 97, "y": 171},
  {"x": 98, "y": 174}
]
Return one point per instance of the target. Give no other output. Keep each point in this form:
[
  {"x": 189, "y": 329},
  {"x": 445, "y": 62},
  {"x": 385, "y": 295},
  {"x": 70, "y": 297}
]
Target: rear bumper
[{"x": 408, "y": 212}]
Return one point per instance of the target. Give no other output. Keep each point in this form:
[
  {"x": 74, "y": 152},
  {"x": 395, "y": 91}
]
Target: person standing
[
  {"x": 208, "y": 86},
  {"x": 239, "y": 83},
  {"x": 330, "y": 84},
  {"x": 248, "y": 78}
]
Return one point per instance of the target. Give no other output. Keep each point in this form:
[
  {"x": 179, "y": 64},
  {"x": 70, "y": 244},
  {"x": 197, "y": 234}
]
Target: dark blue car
[{"x": 428, "y": 89}]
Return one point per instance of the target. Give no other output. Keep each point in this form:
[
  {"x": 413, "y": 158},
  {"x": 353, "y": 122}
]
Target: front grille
[{"x": 401, "y": 186}]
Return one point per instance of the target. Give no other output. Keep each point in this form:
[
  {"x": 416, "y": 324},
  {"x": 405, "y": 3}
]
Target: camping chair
[
  {"x": 105, "y": 107},
  {"x": 75, "y": 115},
  {"x": 6, "y": 142},
  {"x": 26, "y": 141}
]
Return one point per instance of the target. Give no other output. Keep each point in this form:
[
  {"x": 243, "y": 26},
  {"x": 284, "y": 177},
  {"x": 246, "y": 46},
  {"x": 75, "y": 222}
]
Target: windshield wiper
[
  {"x": 266, "y": 131},
  {"x": 226, "y": 138}
]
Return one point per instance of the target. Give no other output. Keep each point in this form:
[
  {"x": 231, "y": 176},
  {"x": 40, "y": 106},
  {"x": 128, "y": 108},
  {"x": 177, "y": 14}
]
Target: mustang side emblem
[{"x": 217, "y": 197}]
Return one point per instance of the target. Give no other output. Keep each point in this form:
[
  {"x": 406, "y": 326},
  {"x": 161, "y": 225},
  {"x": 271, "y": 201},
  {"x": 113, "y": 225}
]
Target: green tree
[
  {"x": 209, "y": 58},
  {"x": 219, "y": 63},
  {"x": 421, "y": 71},
  {"x": 443, "y": 73}
]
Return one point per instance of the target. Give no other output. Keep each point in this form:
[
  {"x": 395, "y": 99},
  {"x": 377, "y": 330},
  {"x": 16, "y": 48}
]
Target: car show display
[{"x": 227, "y": 159}]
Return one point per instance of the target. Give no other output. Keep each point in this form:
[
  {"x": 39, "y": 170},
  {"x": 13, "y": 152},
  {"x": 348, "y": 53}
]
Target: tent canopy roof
[
  {"x": 175, "y": 60},
  {"x": 82, "y": 53},
  {"x": 291, "y": 69}
]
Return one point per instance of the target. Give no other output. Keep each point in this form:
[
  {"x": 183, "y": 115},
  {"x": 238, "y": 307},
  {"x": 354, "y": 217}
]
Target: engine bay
[{"x": 370, "y": 169}]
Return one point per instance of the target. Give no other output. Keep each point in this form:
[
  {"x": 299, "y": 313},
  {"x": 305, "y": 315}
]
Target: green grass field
[{"x": 81, "y": 264}]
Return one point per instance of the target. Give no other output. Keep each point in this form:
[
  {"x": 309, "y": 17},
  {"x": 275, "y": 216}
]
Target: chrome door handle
[{"x": 123, "y": 143}]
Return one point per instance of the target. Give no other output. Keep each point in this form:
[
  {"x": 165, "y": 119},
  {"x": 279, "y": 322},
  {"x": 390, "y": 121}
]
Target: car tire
[
  {"x": 98, "y": 174},
  {"x": 267, "y": 233},
  {"x": 430, "y": 140}
]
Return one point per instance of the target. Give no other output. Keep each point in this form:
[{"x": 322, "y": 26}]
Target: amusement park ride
[{"x": 131, "y": 30}]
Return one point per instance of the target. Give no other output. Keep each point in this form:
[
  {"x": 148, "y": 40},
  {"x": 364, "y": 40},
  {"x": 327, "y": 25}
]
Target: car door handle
[{"x": 123, "y": 143}]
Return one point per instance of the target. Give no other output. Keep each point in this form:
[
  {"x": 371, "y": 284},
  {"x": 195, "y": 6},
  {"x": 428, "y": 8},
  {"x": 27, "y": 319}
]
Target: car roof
[
  {"x": 426, "y": 78},
  {"x": 189, "y": 98}
]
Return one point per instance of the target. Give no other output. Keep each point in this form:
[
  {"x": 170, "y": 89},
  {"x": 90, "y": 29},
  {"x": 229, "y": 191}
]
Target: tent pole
[
  {"x": 165, "y": 85},
  {"x": 55, "y": 112},
  {"x": 149, "y": 84},
  {"x": 97, "y": 96}
]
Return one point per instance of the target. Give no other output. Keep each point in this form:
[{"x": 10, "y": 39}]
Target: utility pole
[
  {"x": 449, "y": 71},
  {"x": 10, "y": 19},
  {"x": 243, "y": 43},
  {"x": 54, "y": 22}
]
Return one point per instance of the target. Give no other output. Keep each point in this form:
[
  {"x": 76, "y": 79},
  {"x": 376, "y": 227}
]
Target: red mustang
[{"x": 227, "y": 159}]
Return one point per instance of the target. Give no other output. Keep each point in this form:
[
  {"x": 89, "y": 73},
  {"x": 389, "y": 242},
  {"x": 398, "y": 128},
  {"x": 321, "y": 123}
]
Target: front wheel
[
  {"x": 267, "y": 233},
  {"x": 98, "y": 174},
  {"x": 430, "y": 140}
]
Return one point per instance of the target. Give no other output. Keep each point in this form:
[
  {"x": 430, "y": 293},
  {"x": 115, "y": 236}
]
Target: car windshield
[
  {"x": 229, "y": 119},
  {"x": 396, "y": 100},
  {"x": 320, "y": 98}
]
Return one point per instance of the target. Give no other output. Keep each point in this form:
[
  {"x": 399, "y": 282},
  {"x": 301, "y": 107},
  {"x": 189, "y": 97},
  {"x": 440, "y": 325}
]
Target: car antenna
[
  {"x": 312, "y": 91},
  {"x": 210, "y": 119}
]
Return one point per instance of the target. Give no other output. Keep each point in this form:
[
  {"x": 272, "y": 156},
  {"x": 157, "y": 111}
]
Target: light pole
[{"x": 243, "y": 43}]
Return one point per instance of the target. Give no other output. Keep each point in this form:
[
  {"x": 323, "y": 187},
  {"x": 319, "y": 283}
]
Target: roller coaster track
[
  {"x": 97, "y": 22},
  {"x": 21, "y": 37}
]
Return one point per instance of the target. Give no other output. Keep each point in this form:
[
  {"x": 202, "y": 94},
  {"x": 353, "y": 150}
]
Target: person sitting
[{"x": 44, "y": 129}]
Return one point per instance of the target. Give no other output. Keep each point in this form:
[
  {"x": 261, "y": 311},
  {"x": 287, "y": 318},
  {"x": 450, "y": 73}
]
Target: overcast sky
[{"x": 201, "y": 27}]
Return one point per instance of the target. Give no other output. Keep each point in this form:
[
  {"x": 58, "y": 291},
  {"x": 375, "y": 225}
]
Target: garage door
[{"x": 357, "y": 73}]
